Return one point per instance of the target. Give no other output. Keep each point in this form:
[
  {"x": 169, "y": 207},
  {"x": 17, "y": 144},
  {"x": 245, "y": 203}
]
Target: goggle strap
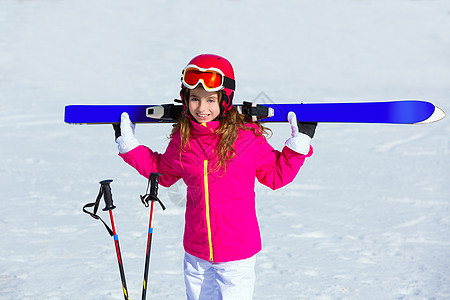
[{"x": 229, "y": 83}]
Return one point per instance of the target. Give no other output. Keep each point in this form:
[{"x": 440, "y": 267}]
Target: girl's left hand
[{"x": 301, "y": 132}]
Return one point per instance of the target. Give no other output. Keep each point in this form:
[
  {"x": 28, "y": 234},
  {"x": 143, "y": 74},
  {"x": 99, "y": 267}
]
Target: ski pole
[
  {"x": 153, "y": 182},
  {"x": 109, "y": 206}
]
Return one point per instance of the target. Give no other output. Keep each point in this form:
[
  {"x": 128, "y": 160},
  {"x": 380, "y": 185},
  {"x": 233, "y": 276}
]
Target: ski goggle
[{"x": 212, "y": 79}]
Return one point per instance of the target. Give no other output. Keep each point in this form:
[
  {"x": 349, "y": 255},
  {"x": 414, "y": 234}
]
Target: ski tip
[{"x": 437, "y": 115}]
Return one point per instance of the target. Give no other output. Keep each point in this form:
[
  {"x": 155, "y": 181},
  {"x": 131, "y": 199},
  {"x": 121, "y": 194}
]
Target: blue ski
[{"x": 393, "y": 112}]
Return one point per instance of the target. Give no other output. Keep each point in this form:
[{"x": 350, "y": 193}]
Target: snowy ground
[{"x": 367, "y": 217}]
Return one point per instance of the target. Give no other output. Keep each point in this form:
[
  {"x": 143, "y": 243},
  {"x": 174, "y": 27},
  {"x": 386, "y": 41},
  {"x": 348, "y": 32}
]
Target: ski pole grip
[
  {"x": 107, "y": 195},
  {"x": 154, "y": 182}
]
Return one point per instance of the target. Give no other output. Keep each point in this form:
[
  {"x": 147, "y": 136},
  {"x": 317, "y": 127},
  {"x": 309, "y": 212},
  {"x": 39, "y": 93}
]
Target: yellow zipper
[{"x": 208, "y": 221}]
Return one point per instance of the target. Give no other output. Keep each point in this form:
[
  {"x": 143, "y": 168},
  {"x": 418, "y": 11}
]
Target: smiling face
[{"x": 203, "y": 105}]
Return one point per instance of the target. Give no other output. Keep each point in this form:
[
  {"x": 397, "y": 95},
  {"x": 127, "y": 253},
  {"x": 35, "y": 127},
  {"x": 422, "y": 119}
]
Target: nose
[{"x": 202, "y": 105}]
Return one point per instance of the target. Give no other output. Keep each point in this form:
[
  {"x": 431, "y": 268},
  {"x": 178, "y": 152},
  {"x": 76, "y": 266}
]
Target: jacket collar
[{"x": 204, "y": 128}]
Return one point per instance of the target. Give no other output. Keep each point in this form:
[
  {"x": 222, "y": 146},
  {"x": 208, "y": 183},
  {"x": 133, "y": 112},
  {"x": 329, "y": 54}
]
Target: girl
[{"x": 218, "y": 155}]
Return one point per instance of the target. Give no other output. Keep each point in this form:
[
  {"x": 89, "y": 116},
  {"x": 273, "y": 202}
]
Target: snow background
[{"x": 366, "y": 218}]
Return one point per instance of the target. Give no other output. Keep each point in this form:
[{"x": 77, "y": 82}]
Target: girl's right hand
[{"x": 125, "y": 139}]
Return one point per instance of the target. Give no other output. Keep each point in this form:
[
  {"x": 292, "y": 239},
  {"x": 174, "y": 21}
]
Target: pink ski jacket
[{"x": 220, "y": 219}]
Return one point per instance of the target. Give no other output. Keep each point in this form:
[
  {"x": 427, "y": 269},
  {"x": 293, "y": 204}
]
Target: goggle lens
[{"x": 210, "y": 79}]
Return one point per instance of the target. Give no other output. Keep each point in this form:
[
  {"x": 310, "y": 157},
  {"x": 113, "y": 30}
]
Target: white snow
[{"x": 368, "y": 217}]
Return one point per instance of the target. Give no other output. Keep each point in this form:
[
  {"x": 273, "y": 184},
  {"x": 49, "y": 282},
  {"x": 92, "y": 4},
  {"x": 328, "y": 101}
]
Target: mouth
[{"x": 203, "y": 116}]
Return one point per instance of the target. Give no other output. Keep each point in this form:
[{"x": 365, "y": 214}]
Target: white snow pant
[{"x": 234, "y": 280}]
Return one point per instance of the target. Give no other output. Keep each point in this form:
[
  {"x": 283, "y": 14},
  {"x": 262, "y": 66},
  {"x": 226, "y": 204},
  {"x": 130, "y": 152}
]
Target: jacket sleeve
[
  {"x": 146, "y": 161},
  {"x": 276, "y": 169}
]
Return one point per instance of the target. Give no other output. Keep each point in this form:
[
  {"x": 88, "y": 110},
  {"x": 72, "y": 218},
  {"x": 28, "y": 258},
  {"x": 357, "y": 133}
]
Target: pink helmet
[{"x": 215, "y": 73}]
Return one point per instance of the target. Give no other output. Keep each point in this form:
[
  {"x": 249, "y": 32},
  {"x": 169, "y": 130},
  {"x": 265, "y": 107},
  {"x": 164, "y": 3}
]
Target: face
[{"x": 203, "y": 105}]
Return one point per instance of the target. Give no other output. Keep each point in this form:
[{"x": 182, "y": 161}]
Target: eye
[{"x": 194, "y": 99}]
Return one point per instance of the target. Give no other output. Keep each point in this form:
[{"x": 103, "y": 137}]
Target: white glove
[
  {"x": 299, "y": 142},
  {"x": 126, "y": 141}
]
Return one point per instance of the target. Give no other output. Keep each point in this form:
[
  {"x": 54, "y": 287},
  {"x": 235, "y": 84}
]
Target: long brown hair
[{"x": 228, "y": 131}]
